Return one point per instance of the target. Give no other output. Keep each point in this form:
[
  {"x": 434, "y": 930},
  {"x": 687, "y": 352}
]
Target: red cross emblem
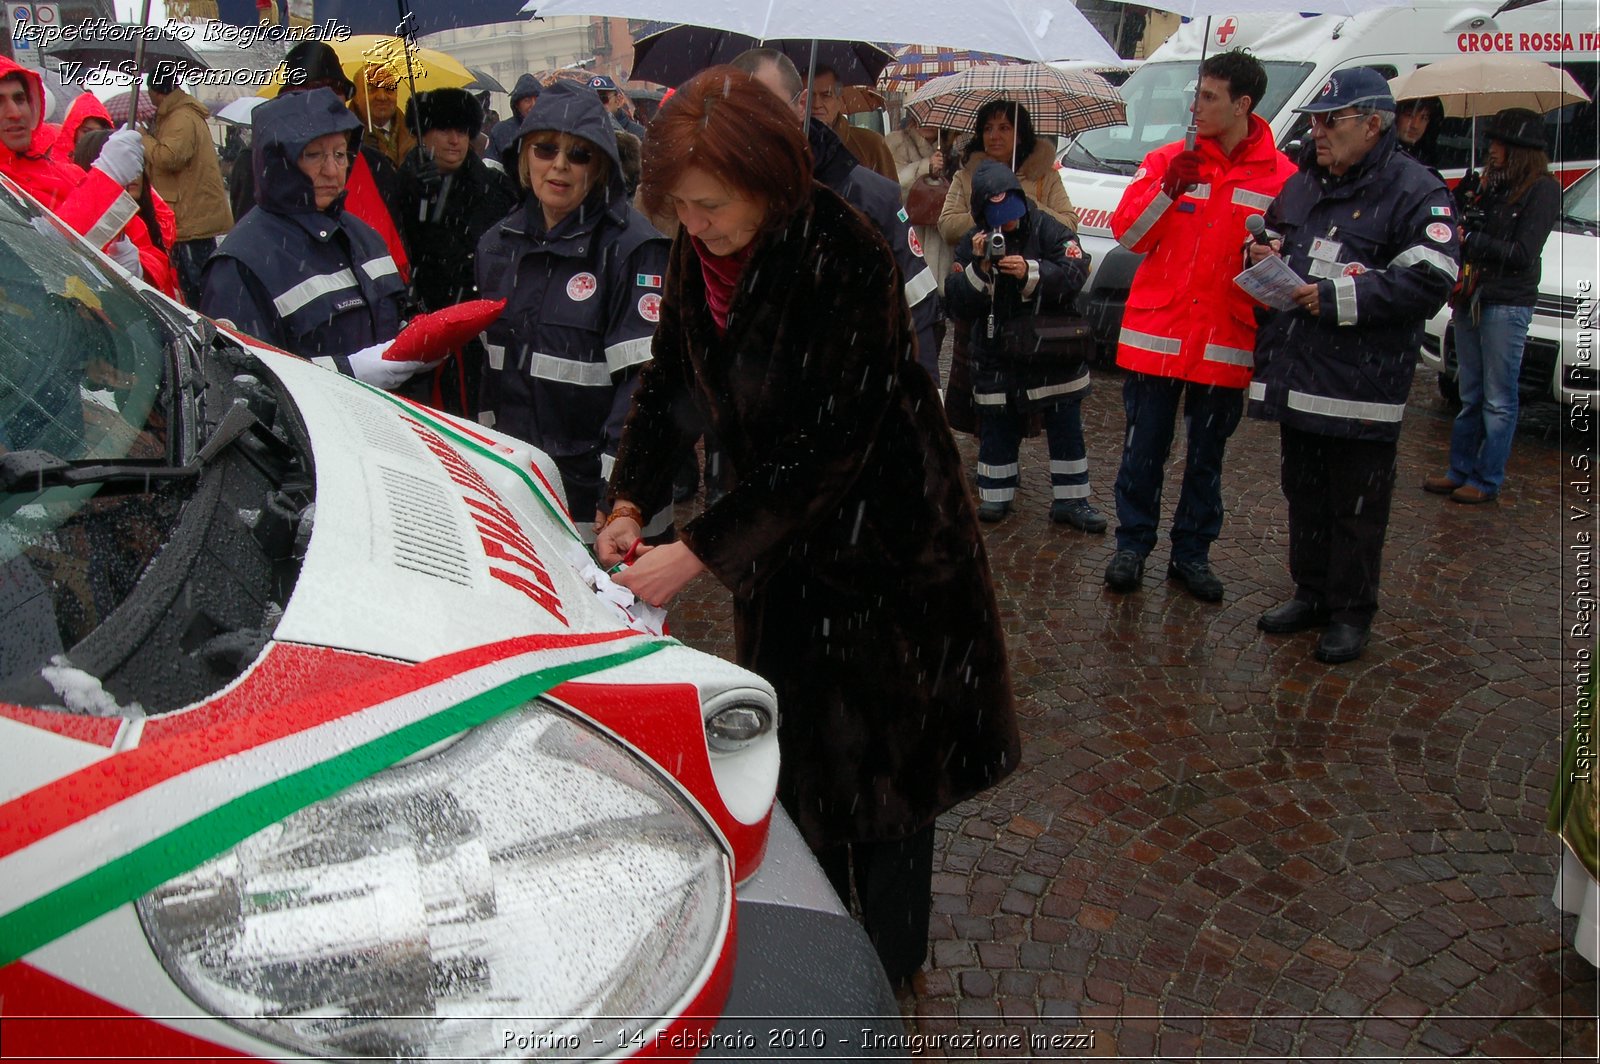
[{"x": 1229, "y": 27}]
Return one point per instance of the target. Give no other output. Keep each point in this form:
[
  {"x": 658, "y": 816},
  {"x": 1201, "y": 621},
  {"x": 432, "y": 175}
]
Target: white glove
[
  {"x": 121, "y": 156},
  {"x": 125, "y": 253},
  {"x": 370, "y": 367}
]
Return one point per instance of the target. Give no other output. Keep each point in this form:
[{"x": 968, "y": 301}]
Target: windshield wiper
[
  {"x": 33, "y": 471},
  {"x": 30, "y": 471},
  {"x": 1108, "y": 166},
  {"x": 1093, "y": 158}
]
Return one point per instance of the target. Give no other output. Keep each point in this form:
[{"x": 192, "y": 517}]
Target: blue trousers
[
  {"x": 1489, "y": 359},
  {"x": 1000, "y": 440},
  {"x": 1210, "y": 415},
  {"x": 1339, "y": 493}
]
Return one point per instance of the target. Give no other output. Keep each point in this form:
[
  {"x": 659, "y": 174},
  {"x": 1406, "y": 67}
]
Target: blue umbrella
[{"x": 378, "y": 16}]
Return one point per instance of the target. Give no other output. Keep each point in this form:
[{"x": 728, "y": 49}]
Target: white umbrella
[
  {"x": 58, "y": 94},
  {"x": 1476, "y": 85},
  {"x": 1036, "y": 30},
  {"x": 238, "y": 112},
  {"x": 1207, "y": 8}
]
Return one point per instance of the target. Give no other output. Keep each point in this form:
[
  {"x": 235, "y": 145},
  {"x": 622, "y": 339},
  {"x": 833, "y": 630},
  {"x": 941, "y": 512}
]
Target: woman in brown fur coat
[{"x": 849, "y": 540}]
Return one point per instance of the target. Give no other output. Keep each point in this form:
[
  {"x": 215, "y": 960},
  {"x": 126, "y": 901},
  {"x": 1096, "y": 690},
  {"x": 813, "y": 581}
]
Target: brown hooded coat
[
  {"x": 184, "y": 170},
  {"x": 861, "y": 586}
]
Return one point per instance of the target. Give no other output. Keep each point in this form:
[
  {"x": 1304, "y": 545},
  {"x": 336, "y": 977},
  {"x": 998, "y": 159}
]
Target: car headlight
[
  {"x": 734, "y": 727},
  {"x": 535, "y": 869}
]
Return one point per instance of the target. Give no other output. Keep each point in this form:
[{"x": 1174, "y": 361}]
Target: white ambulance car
[
  {"x": 1299, "y": 53},
  {"x": 321, "y": 736}
]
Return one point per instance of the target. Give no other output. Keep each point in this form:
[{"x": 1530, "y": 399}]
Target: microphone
[{"x": 1258, "y": 230}]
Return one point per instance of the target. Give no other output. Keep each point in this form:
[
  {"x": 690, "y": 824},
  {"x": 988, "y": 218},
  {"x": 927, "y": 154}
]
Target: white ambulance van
[{"x": 1299, "y": 53}]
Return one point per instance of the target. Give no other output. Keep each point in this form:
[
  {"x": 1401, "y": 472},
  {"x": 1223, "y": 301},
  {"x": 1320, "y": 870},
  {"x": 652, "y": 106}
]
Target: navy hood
[
  {"x": 280, "y": 130},
  {"x": 567, "y": 107},
  {"x": 527, "y": 85},
  {"x": 991, "y": 179}
]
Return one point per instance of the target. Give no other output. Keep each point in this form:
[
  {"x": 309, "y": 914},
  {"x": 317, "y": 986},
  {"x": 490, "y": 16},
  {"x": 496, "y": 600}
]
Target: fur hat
[{"x": 444, "y": 109}]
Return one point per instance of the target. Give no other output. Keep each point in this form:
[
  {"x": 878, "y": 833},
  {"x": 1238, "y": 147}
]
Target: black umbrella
[
  {"x": 483, "y": 81},
  {"x": 159, "y": 47},
  {"x": 673, "y": 56}
]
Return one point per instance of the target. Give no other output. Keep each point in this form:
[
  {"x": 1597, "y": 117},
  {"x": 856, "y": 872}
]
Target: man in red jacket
[
  {"x": 93, "y": 203},
  {"x": 1188, "y": 331}
]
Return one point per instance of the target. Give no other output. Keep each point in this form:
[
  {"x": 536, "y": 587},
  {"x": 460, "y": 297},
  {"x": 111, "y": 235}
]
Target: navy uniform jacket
[
  {"x": 879, "y": 199},
  {"x": 315, "y": 283},
  {"x": 1381, "y": 245},
  {"x": 582, "y": 303},
  {"x": 1010, "y": 362}
]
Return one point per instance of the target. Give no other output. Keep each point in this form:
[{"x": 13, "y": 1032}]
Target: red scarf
[{"x": 721, "y": 273}]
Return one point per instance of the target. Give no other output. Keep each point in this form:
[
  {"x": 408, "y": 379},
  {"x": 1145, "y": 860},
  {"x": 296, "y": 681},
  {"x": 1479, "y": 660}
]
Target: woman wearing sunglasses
[
  {"x": 581, "y": 271},
  {"x": 847, "y": 535}
]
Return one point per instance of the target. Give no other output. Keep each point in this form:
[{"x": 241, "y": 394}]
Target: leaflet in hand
[{"x": 1271, "y": 282}]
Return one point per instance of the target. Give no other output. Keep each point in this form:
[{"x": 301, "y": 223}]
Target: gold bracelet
[{"x": 622, "y": 508}]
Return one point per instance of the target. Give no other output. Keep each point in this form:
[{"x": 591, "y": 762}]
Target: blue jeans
[
  {"x": 1488, "y": 361},
  {"x": 1210, "y": 415}
]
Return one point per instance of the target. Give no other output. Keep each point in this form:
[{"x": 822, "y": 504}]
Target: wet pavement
[{"x": 1217, "y": 846}]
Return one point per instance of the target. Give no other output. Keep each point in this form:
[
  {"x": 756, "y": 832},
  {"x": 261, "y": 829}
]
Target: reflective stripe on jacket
[
  {"x": 1381, "y": 245},
  {"x": 1010, "y": 366},
  {"x": 1185, "y": 318},
  {"x": 312, "y": 284},
  {"x": 583, "y": 305}
]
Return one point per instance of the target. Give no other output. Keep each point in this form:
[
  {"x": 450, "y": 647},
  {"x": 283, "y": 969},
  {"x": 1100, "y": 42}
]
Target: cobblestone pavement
[{"x": 1217, "y": 846}]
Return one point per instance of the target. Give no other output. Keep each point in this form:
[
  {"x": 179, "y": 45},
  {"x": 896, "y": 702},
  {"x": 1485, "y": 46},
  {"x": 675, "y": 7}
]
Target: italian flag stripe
[
  {"x": 76, "y": 797},
  {"x": 214, "y": 828},
  {"x": 546, "y": 496}
]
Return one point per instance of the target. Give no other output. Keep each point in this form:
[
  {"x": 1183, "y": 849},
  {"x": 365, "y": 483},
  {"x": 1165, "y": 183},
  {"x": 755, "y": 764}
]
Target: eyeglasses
[
  {"x": 315, "y": 159},
  {"x": 577, "y": 155},
  {"x": 1319, "y": 120}
]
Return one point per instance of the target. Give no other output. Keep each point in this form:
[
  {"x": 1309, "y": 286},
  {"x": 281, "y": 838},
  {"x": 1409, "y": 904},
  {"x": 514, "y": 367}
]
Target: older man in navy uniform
[{"x": 1371, "y": 231}]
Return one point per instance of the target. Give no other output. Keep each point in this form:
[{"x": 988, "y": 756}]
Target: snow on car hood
[{"x": 429, "y": 536}]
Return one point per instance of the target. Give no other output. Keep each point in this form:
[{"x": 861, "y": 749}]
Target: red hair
[{"x": 730, "y": 125}]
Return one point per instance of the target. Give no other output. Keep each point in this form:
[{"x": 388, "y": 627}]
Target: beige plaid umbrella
[
  {"x": 917, "y": 64},
  {"x": 1061, "y": 103}
]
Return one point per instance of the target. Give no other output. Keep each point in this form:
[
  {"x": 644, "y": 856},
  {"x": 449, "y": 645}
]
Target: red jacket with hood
[
  {"x": 83, "y": 107},
  {"x": 91, "y": 203}
]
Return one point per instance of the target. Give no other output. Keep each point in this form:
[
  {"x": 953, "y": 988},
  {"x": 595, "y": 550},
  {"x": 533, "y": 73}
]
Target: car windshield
[
  {"x": 83, "y": 379},
  {"x": 1580, "y": 205},
  {"x": 83, "y": 359},
  {"x": 1158, "y": 96}
]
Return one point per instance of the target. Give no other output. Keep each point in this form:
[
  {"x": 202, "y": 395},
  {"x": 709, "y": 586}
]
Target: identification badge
[
  {"x": 1322, "y": 269},
  {"x": 1325, "y": 250}
]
